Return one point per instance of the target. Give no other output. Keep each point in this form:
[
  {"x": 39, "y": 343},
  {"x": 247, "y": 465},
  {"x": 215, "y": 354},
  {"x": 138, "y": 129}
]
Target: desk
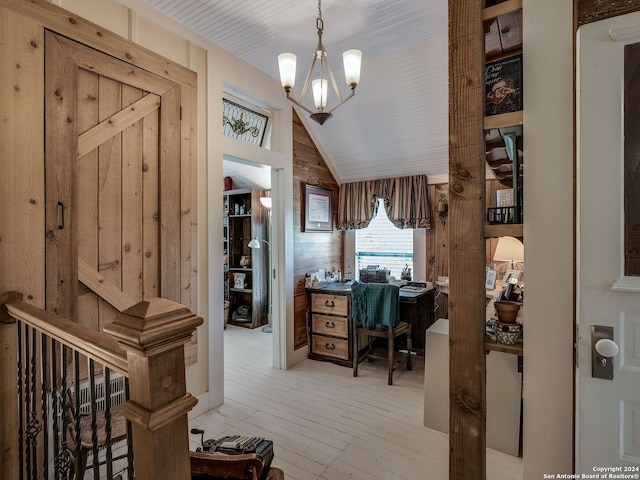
[
  {"x": 418, "y": 310},
  {"x": 329, "y": 322}
]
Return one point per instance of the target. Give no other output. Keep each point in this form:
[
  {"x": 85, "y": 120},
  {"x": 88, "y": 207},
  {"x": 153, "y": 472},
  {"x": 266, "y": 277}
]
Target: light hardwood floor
[{"x": 328, "y": 425}]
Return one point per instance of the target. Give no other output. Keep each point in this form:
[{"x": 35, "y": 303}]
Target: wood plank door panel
[
  {"x": 118, "y": 175},
  {"x": 87, "y": 167}
]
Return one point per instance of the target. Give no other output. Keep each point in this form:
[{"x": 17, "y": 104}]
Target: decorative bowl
[
  {"x": 508, "y": 333},
  {"x": 507, "y": 311}
]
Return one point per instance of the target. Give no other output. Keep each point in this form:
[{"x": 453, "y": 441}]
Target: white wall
[
  {"x": 217, "y": 71},
  {"x": 548, "y": 237}
]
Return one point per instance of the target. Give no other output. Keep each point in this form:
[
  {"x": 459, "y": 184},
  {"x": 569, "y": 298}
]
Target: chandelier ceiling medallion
[{"x": 287, "y": 64}]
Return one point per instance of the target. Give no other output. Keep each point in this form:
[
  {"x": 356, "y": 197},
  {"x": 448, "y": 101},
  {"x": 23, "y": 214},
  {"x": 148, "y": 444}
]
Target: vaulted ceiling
[{"x": 397, "y": 123}]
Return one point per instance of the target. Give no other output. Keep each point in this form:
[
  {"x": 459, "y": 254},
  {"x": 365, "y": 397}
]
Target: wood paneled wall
[
  {"x": 311, "y": 250},
  {"x": 437, "y": 254}
]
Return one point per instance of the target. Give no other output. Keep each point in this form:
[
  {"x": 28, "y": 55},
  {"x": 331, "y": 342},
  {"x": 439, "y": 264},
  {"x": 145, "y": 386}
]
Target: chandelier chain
[
  {"x": 319, "y": 22},
  {"x": 287, "y": 64}
]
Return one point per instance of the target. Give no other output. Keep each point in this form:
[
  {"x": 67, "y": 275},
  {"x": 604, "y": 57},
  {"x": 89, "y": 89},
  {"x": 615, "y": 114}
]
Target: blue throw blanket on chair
[{"x": 375, "y": 304}]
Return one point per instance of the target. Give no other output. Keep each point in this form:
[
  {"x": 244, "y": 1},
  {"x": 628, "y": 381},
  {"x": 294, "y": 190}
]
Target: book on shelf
[
  {"x": 503, "y": 85},
  {"x": 504, "y": 198}
]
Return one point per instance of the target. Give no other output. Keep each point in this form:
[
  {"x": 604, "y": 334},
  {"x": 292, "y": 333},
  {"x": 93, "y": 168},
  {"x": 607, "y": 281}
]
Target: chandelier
[{"x": 319, "y": 85}]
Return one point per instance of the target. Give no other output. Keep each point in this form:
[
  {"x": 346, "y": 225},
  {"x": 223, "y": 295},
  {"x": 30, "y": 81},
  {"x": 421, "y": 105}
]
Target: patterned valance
[{"x": 405, "y": 201}]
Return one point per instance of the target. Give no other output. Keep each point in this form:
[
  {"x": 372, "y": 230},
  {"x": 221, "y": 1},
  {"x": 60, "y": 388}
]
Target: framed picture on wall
[{"x": 318, "y": 209}]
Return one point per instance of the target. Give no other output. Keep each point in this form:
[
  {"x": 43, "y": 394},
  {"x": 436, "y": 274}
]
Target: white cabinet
[{"x": 504, "y": 384}]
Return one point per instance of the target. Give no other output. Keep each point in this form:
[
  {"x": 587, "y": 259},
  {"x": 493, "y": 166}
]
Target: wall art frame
[{"x": 317, "y": 209}]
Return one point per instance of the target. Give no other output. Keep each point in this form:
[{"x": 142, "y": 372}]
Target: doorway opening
[{"x": 247, "y": 224}]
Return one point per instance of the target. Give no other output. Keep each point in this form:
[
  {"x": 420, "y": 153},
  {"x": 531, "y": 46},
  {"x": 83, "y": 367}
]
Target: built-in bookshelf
[{"x": 245, "y": 268}]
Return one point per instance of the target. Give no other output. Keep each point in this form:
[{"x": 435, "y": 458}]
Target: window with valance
[{"x": 405, "y": 200}]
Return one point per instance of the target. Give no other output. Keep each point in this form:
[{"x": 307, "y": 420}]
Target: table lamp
[{"x": 511, "y": 251}]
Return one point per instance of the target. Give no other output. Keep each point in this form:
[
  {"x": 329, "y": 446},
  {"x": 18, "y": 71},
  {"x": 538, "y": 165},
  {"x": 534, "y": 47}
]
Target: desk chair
[
  {"x": 116, "y": 433},
  {"x": 376, "y": 313},
  {"x": 220, "y": 466}
]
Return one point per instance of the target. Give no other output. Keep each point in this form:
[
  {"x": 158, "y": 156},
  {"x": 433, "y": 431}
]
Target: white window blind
[{"x": 385, "y": 245}]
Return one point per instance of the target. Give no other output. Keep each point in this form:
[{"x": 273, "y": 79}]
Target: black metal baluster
[
  {"x": 130, "y": 467},
  {"x": 27, "y": 398},
  {"x": 46, "y": 391},
  {"x": 20, "y": 401},
  {"x": 94, "y": 419},
  {"x": 62, "y": 456},
  {"x": 107, "y": 421},
  {"x": 56, "y": 411},
  {"x": 66, "y": 457},
  {"x": 76, "y": 417},
  {"x": 35, "y": 427}
]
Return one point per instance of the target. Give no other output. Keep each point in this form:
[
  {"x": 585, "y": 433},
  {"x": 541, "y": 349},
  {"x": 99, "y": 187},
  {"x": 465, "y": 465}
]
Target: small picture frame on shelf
[
  {"x": 511, "y": 277},
  {"x": 504, "y": 197},
  {"x": 490, "y": 281}
]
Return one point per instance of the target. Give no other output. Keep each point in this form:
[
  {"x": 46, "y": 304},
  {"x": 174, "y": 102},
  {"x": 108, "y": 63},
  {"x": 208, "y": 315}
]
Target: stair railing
[{"x": 45, "y": 360}]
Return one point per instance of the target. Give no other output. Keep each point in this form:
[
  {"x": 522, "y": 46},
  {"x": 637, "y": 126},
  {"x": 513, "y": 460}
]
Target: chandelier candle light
[{"x": 319, "y": 86}]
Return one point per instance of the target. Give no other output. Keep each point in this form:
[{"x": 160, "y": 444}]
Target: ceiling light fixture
[{"x": 287, "y": 64}]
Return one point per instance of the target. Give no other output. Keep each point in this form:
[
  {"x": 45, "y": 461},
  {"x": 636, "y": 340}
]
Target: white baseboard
[{"x": 201, "y": 407}]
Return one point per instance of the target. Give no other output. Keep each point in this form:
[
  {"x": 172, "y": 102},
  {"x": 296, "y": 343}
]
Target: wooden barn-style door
[{"x": 113, "y": 183}]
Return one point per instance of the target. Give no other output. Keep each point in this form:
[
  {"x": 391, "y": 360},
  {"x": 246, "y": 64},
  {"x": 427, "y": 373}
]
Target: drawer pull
[
  {"x": 329, "y": 346},
  {"x": 330, "y": 325},
  {"x": 328, "y": 303}
]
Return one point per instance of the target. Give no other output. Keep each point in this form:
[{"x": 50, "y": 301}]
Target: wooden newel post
[
  {"x": 9, "y": 455},
  {"x": 153, "y": 333}
]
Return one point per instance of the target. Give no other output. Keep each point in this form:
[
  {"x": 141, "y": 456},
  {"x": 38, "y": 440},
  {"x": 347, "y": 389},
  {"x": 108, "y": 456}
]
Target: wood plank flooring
[{"x": 328, "y": 425}]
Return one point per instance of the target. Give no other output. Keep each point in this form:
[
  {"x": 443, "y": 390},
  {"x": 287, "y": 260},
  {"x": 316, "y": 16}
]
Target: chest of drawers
[{"x": 329, "y": 327}]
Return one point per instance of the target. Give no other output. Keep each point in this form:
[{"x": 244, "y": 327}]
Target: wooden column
[
  {"x": 9, "y": 454},
  {"x": 467, "y": 437},
  {"x": 153, "y": 333}
]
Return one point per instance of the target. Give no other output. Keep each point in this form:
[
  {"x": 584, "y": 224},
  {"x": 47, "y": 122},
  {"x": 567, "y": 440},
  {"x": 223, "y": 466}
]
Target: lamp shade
[
  {"x": 266, "y": 202},
  {"x": 254, "y": 243},
  {"x": 352, "y": 60},
  {"x": 287, "y": 66},
  {"x": 319, "y": 86},
  {"x": 509, "y": 249}
]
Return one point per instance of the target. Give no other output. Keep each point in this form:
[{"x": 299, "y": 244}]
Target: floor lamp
[{"x": 255, "y": 243}]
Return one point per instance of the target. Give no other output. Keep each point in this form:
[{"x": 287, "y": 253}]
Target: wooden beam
[{"x": 467, "y": 420}]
